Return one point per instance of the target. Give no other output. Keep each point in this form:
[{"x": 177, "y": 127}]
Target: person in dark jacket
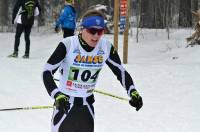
[
  {"x": 23, "y": 15},
  {"x": 80, "y": 58},
  {"x": 67, "y": 19}
]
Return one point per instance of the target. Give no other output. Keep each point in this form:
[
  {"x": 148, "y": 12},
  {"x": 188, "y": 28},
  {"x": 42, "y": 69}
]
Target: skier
[
  {"x": 23, "y": 14},
  {"x": 80, "y": 58},
  {"x": 67, "y": 19}
]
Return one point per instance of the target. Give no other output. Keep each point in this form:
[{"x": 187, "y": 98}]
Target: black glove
[
  {"x": 56, "y": 29},
  {"x": 136, "y": 100},
  {"x": 62, "y": 102}
]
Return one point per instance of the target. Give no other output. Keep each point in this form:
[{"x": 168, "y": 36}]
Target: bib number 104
[{"x": 84, "y": 75}]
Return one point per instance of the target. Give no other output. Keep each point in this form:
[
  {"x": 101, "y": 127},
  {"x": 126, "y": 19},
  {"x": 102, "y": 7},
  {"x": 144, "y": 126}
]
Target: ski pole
[
  {"x": 47, "y": 107},
  {"x": 27, "y": 108},
  {"x": 105, "y": 93},
  {"x": 111, "y": 95}
]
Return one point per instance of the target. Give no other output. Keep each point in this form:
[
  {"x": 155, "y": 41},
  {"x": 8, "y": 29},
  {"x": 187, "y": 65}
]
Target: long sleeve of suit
[
  {"x": 51, "y": 66},
  {"x": 114, "y": 63}
]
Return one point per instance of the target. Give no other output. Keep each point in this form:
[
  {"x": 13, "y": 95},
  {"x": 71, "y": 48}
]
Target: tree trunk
[
  {"x": 147, "y": 13},
  {"x": 185, "y": 17},
  {"x": 3, "y": 12},
  {"x": 41, "y": 20},
  {"x": 194, "y": 7}
]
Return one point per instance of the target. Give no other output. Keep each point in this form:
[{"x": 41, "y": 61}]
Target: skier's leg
[
  {"x": 80, "y": 117},
  {"x": 62, "y": 122},
  {"x": 18, "y": 33},
  {"x": 27, "y": 32},
  {"x": 86, "y": 119}
]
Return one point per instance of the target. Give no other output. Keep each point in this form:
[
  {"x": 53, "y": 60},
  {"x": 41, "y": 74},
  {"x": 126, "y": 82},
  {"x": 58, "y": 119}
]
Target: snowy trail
[{"x": 169, "y": 87}]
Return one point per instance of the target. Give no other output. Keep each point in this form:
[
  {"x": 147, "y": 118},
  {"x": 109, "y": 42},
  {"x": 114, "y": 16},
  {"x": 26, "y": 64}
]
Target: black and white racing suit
[{"x": 79, "y": 65}]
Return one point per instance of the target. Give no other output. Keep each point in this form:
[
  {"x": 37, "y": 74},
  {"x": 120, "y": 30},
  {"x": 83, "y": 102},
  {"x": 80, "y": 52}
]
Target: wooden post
[
  {"x": 126, "y": 33},
  {"x": 116, "y": 21}
]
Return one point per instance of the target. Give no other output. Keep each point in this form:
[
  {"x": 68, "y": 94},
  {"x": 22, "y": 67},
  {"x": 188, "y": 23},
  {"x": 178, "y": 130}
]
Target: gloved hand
[
  {"x": 56, "y": 29},
  {"x": 62, "y": 102},
  {"x": 136, "y": 99}
]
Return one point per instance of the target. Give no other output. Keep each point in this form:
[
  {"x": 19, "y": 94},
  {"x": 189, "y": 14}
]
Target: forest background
[{"x": 144, "y": 13}]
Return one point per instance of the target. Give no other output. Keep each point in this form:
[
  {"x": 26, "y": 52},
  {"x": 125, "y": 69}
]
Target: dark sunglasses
[{"x": 93, "y": 31}]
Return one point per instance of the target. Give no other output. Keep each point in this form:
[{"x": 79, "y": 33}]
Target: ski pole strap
[{"x": 27, "y": 108}]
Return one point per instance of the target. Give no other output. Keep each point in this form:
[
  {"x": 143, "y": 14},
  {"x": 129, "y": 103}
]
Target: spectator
[
  {"x": 23, "y": 14},
  {"x": 67, "y": 19}
]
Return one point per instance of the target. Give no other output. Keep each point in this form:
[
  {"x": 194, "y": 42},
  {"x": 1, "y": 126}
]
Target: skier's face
[{"x": 92, "y": 35}]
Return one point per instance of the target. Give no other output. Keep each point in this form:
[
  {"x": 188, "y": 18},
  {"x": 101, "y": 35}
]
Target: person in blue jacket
[{"x": 67, "y": 19}]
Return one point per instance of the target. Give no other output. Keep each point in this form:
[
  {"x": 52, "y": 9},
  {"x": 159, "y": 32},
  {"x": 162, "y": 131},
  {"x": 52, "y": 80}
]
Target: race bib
[{"x": 82, "y": 78}]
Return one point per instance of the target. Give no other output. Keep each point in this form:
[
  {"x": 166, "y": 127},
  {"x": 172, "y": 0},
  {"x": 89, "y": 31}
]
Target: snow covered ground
[{"x": 166, "y": 74}]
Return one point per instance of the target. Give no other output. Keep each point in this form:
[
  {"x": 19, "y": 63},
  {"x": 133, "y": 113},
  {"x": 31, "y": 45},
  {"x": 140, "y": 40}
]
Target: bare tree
[
  {"x": 3, "y": 12},
  {"x": 41, "y": 20},
  {"x": 146, "y": 13},
  {"x": 138, "y": 18},
  {"x": 185, "y": 17},
  {"x": 168, "y": 11},
  {"x": 194, "y": 7}
]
